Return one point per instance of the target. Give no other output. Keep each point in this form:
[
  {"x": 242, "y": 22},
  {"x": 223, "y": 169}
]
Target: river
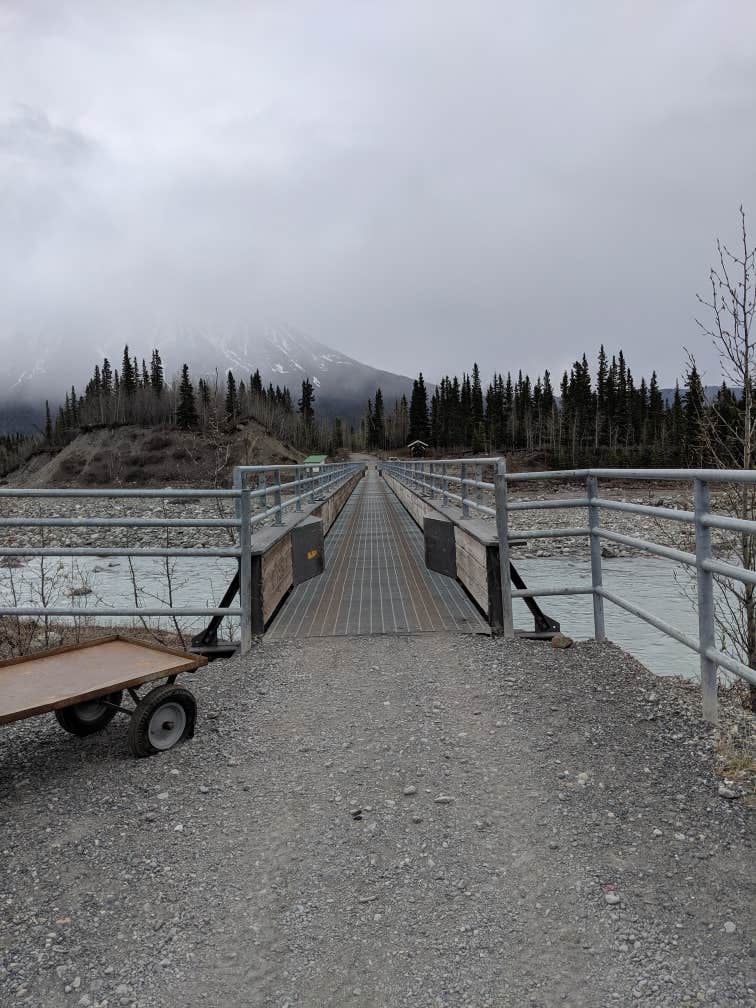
[{"x": 648, "y": 582}]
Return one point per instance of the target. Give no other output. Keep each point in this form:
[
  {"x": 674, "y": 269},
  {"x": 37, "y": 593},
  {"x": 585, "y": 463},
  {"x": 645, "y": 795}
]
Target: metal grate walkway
[{"x": 375, "y": 581}]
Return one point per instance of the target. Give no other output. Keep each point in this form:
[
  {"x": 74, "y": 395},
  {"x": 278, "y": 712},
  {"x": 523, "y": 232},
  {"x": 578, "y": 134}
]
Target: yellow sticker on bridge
[{"x": 312, "y": 554}]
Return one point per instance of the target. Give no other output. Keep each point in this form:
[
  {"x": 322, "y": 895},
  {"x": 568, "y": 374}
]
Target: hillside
[{"x": 139, "y": 456}]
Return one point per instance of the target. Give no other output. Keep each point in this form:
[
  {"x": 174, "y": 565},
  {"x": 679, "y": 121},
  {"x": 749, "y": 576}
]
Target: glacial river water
[{"x": 648, "y": 582}]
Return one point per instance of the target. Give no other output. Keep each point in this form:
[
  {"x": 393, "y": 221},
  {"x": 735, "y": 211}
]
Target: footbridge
[
  {"x": 375, "y": 579},
  {"x": 367, "y": 548},
  {"x": 390, "y": 798}
]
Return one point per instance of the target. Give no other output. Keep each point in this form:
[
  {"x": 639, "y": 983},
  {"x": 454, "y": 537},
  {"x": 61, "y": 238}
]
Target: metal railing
[
  {"x": 310, "y": 485},
  {"x": 460, "y": 482},
  {"x": 307, "y": 485}
]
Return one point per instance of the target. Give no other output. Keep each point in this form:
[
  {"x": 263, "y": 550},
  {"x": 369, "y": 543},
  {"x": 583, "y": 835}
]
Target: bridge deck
[{"x": 375, "y": 580}]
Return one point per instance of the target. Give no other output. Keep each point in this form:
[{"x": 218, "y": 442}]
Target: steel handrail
[
  {"x": 434, "y": 479},
  {"x": 329, "y": 478}
]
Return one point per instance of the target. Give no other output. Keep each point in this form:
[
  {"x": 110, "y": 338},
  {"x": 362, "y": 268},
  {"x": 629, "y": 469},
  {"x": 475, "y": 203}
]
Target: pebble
[
  {"x": 724, "y": 792},
  {"x": 611, "y": 898},
  {"x": 729, "y": 927},
  {"x": 409, "y": 790},
  {"x": 443, "y": 799}
]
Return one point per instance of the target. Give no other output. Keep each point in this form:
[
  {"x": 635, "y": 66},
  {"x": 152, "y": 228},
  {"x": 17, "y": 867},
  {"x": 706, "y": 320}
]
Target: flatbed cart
[{"x": 83, "y": 685}]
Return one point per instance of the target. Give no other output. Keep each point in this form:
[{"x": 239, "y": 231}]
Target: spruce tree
[
  {"x": 655, "y": 409},
  {"x": 379, "y": 422},
  {"x": 306, "y": 403},
  {"x": 107, "y": 378},
  {"x": 419, "y": 411},
  {"x": 186, "y": 410},
  {"x": 476, "y": 396},
  {"x": 693, "y": 408},
  {"x": 157, "y": 380},
  {"x": 232, "y": 399},
  {"x": 128, "y": 377}
]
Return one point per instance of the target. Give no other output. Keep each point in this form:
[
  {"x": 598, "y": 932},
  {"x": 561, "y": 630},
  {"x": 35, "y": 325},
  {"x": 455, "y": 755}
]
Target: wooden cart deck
[{"x": 52, "y": 680}]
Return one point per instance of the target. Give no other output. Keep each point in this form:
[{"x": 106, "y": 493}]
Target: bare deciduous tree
[{"x": 727, "y": 425}]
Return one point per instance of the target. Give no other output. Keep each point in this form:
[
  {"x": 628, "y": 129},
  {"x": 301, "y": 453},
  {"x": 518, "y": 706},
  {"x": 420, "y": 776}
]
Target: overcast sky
[{"x": 418, "y": 183}]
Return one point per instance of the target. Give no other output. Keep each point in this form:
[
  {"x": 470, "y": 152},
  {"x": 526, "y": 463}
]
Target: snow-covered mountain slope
[{"x": 45, "y": 369}]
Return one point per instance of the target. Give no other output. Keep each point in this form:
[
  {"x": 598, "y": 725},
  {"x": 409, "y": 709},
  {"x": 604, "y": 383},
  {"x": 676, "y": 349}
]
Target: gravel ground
[
  {"x": 637, "y": 525},
  {"x": 427, "y": 821}
]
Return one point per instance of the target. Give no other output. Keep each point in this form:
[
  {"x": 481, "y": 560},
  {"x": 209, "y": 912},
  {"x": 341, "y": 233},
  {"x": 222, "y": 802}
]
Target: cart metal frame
[{"x": 85, "y": 703}]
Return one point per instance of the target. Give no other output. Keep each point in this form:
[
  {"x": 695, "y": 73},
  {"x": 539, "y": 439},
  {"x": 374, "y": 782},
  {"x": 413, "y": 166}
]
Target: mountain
[
  {"x": 710, "y": 391},
  {"x": 284, "y": 356}
]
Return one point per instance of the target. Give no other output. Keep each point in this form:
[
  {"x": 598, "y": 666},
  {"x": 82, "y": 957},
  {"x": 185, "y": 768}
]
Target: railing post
[
  {"x": 463, "y": 494},
  {"x": 245, "y": 571},
  {"x": 237, "y": 483},
  {"x": 312, "y": 484},
  {"x": 705, "y": 586},
  {"x": 444, "y": 495},
  {"x": 297, "y": 490},
  {"x": 502, "y": 531},
  {"x": 599, "y": 630},
  {"x": 279, "y": 502},
  {"x": 479, "y": 478},
  {"x": 263, "y": 485}
]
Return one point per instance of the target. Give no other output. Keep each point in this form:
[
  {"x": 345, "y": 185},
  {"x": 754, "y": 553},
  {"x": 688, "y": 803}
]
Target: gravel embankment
[
  {"x": 384, "y": 822},
  {"x": 671, "y": 533},
  {"x": 82, "y": 507}
]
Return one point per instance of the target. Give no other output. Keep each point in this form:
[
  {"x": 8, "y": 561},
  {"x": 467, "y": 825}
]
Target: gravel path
[{"x": 420, "y": 821}]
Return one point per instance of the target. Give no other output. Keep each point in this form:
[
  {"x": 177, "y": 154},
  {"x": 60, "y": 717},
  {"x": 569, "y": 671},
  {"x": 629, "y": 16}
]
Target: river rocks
[{"x": 561, "y": 641}]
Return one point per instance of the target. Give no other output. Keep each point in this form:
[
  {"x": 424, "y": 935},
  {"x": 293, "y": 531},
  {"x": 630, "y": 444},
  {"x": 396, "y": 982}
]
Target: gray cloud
[{"x": 419, "y": 184}]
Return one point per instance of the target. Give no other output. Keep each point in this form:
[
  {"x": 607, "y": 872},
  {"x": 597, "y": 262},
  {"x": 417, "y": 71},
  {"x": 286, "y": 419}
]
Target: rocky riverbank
[{"x": 188, "y": 508}]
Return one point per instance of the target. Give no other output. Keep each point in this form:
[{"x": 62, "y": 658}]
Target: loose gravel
[
  {"x": 196, "y": 508},
  {"x": 426, "y": 821}
]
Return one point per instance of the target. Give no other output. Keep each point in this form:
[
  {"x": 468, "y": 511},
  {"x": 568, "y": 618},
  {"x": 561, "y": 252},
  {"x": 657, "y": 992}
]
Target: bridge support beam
[{"x": 502, "y": 533}]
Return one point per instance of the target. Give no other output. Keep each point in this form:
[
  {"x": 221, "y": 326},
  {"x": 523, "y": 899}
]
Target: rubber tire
[
  {"x": 69, "y": 720},
  {"x": 139, "y": 740}
]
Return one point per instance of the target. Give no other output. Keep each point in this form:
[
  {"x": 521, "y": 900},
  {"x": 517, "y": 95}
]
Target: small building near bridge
[
  {"x": 316, "y": 461},
  {"x": 418, "y": 448}
]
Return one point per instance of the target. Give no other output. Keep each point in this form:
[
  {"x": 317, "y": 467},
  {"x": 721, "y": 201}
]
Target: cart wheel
[
  {"x": 162, "y": 719},
  {"x": 90, "y": 716}
]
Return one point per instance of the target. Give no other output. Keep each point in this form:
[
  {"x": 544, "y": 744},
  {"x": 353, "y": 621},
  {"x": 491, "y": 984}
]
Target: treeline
[
  {"x": 138, "y": 393},
  {"x": 600, "y": 416},
  {"x": 15, "y": 449},
  {"x": 604, "y": 416}
]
